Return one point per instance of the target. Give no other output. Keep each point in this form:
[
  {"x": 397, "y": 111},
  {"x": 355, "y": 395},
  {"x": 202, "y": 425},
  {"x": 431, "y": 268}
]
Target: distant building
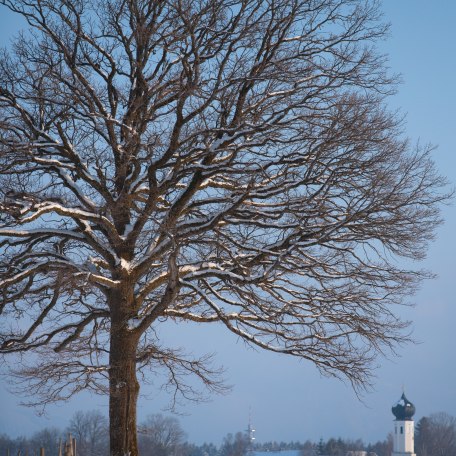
[{"x": 403, "y": 437}]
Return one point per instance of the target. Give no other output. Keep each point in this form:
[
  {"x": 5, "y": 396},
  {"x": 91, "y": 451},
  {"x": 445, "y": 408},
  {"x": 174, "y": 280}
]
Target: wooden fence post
[{"x": 69, "y": 448}]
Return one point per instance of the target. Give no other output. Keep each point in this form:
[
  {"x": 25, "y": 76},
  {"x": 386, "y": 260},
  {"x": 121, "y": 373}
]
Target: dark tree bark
[
  {"x": 220, "y": 162},
  {"x": 123, "y": 383}
]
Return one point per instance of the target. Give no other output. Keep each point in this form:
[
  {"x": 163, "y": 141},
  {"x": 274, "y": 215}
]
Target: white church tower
[{"x": 403, "y": 428}]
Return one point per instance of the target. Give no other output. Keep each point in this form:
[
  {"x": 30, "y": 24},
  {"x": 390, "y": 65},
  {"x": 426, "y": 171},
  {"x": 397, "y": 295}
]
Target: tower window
[{"x": 402, "y": 430}]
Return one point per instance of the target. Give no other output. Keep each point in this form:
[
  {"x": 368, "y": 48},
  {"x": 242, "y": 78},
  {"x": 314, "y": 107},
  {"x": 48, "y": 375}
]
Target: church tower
[{"x": 403, "y": 428}]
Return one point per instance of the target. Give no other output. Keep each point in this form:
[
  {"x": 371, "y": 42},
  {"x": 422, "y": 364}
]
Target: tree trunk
[{"x": 123, "y": 385}]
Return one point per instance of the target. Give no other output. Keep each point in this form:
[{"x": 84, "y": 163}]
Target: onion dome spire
[{"x": 404, "y": 409}]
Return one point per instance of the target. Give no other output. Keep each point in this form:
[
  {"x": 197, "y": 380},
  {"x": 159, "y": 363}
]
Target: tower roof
[{"x": 404, "y": 409}]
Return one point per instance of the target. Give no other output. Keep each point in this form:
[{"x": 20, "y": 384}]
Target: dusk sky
[{"x": 287, "y": 398}]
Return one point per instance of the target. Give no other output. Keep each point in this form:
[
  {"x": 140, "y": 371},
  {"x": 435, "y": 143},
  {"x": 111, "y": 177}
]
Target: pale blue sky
[{"x": 288, "y": 399}]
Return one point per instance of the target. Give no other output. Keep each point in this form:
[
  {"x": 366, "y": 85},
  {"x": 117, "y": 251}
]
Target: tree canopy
[{"x": 227, "y": 162}]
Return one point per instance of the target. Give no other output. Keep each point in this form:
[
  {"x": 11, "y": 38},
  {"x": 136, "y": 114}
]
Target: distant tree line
[
  {"x": 344, "y": 447},
  {"x": 89, "y": 428},
  {"x": 435, "y": 435},
  {"x": 160, "y": 435}
]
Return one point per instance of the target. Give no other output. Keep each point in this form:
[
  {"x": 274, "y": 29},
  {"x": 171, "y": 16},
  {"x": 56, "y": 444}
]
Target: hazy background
[{"x": 287, "y": 398}]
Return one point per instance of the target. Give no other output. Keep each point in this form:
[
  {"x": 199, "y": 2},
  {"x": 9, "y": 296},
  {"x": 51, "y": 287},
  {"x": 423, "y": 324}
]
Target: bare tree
[
  {"x": 47, "y": 438},
  {"x": 235, "y": 445},
  {"x": 161, "y": 436},
  {"x": 212, "y": 161},
  {"x": 91, "y": 432},
  {"x": 436, "y": 435},
  {"x": 308, "y": 449}
]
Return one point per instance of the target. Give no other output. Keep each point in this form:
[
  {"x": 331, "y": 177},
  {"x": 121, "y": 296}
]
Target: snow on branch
[{"x": 235, "y": 163}]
